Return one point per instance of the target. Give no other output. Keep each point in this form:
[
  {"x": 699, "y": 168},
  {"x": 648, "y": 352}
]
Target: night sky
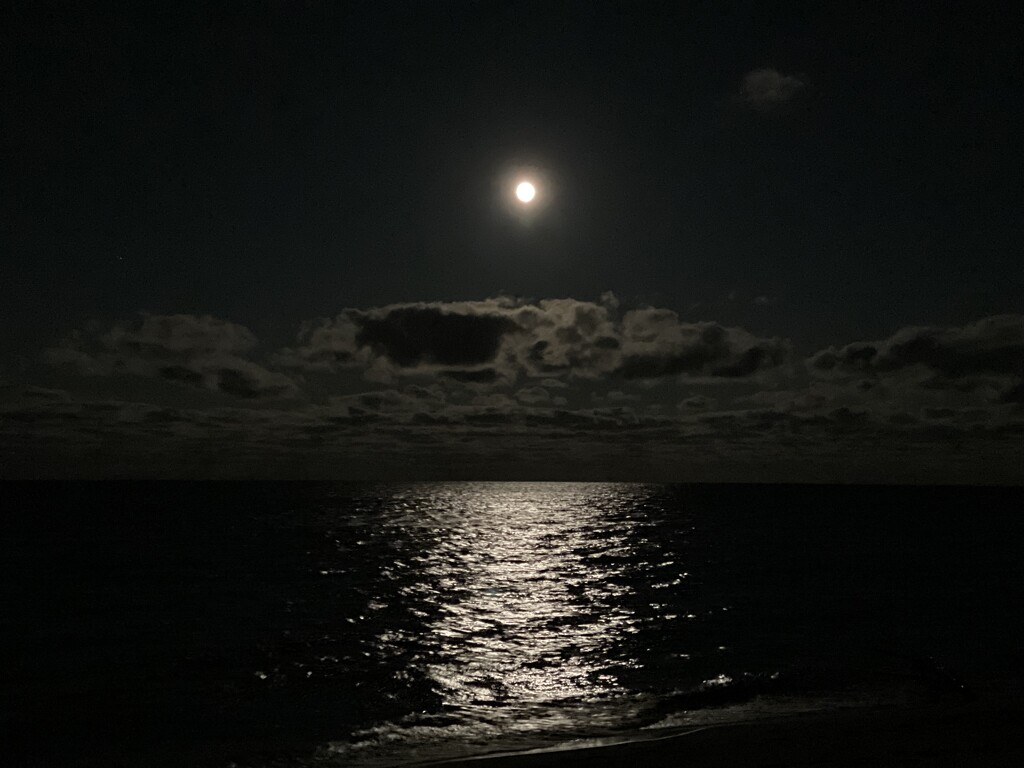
[{"x": 770, "y": 242}]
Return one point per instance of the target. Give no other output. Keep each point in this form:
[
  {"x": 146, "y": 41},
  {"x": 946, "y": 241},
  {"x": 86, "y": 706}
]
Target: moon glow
[{"x": 525, "y": 191}]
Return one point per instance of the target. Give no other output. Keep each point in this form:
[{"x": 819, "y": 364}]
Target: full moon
[{"x": 525, "y": 191}]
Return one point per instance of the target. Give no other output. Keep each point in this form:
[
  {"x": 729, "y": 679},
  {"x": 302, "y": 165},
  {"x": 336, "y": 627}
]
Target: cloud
[
  {"x": 500, "y": 340},
  {"x": 697, "y": 403},
  {"x": 986, "y": 356},
  {"x": 409, "y": 336},
  {"x": 766, "y": 88},
  {"x": 324, "y": 345},
  {"x": 506, "y": 387},
  {"x": 184, "y": 334},
  {"x": 477, "y": 376},
  {"x": 658, "y": 345},
  {"x": 192, "y": 350},
  {"x": 533, "y": 396},
  {"x": 418, "y": 432}
]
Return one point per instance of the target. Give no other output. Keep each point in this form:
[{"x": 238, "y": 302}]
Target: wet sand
[{"x": 969, "y": 735}]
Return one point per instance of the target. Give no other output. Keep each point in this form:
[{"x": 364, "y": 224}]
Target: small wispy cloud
[{"x": 766, "y": 88}]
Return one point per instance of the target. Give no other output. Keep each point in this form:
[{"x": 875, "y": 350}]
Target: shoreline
[
  {"x": 944, "y": 736},
  {"x": 940, "y": 736}
]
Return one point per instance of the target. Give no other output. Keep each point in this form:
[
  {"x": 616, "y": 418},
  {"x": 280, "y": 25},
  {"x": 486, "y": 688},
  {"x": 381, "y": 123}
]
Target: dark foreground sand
[{"x": 969, "y": 735}]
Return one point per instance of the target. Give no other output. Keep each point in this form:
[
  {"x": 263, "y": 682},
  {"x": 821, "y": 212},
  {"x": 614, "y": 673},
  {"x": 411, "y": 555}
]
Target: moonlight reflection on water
[{"x": 532, "y": 588}]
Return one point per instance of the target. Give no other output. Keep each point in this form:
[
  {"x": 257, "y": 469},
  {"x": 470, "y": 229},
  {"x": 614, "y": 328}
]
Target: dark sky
[{"x": 771, "y": 242}]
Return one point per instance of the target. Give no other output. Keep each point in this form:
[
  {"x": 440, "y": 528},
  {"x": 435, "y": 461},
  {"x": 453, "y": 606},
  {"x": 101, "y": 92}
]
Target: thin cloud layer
[
  {"x": 192, "y": 350},
  {"x": 393, "y": 434}
]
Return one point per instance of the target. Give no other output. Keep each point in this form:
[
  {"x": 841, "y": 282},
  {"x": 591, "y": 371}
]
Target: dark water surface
[{"x": 287, "y": 624}]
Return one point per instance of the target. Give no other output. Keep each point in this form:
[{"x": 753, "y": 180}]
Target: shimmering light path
[
  {"x": 533, "y": 581},
  {"x": 530, "y": 600}
]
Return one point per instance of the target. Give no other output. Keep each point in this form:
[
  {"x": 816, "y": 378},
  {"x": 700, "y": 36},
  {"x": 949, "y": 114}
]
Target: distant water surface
[{"x": 289, "y": 623}]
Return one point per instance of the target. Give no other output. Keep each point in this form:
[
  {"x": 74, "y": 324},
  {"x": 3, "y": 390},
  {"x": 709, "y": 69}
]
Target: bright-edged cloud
[{"x": 501, "y": 340}]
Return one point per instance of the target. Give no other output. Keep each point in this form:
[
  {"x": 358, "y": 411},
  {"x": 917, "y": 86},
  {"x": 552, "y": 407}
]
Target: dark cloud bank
[{"x": 507, "y": 388}]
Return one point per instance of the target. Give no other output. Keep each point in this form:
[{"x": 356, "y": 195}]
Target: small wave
[
  {"x": 473, "y": 731},
  {"x": 719, "y": 699}
]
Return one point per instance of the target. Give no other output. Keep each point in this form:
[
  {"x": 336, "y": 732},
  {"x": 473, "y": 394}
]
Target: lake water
[{"x": 361, "y": 625}]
